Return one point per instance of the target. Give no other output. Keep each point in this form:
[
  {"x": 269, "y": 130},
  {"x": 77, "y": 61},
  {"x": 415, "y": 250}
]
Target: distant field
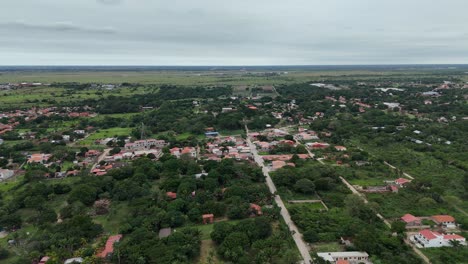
[
  {"x": 199, "y": 77},
  {"x": 46, "y": 96}
]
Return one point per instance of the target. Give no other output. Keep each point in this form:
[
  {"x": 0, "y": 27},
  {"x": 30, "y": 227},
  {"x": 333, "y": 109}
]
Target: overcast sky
[{"x": 227, "y": 32}]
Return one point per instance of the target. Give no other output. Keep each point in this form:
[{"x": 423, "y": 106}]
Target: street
[{"x": 297, "y": 236}]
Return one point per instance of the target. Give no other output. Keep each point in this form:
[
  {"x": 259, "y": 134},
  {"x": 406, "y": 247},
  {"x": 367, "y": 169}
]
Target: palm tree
[{"x": 455, "y": 243}]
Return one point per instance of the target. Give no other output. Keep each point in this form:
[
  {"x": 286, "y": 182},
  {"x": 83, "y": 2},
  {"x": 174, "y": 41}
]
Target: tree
[
  {"x": 83, "y": 193},
  {"x": 399, "y": 227},
  {"x": 305, "y": 186},
  {"x": 234, "y": 246}
]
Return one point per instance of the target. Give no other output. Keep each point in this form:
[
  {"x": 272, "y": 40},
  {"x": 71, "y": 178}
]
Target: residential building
[
  {"x": 353, "y": 257},
  {"x": 446, "y": 221},
  {"x": 39, "y": 158},
  {"x": 411, "y": 220},
  {"x": 427, "y": 239},
  {"x": 6, "y": 174},
  {"x": 401, "y": 182},
  {"x": 145, "y": 144}
]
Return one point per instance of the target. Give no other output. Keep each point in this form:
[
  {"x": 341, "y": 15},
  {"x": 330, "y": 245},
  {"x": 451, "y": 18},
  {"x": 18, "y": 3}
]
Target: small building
[
  {"x": 165, "y": 232},
  {"x": 411, "y": 220},
  {"x": 257, "y": 209},
  {"x": 211, "y": 134},
  {"x": 6, "y": 174},
  {"x": 353, "y": 257},
  {"x": 74, "y": 260},
  {"x": 39, "y": 158},
  {"x": 109, "y": 248},
  {"x": 401, "y": 182},
  {"x": 446, "y": 221},
  {"x": 171, "y": 195},
  {"x": 44, "y": 260},
  {"x": 340, "y": 148},
  {"x": 208, "y": 218}
]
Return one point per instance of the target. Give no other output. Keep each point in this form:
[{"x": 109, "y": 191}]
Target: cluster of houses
[
  {"x": 191, "y": 152},
  {"x": 391, "y": 186},
  {"x": 233, "y": 147},
  {"x": 138, "y": 148},
  {"x": 35, "y": 112},
  {"x": 427, "y": 238}
]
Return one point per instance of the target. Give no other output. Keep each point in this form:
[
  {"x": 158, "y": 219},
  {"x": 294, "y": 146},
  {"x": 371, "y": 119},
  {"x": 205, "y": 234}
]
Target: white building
[
  {"x": 1, "y": 141},
  {"x": 145, "y": 144},
  {"x": 5, "y": 174},
  {"x": 427, "y": 239},
  {"x": 353, "y": 257}
]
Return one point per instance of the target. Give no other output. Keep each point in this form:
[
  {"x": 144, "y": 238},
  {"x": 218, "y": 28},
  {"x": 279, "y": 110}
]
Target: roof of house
[
  {"x": 342, "y": 261},
  {"x": 109, "y": 248},
  {"x": 44, "y": 259},
  {"x": 453, "y": 236},
  {"x": 165, "y": 232},
  {"x": 172, "y": 195},
  {"x": 328, "y": 256},
  {"x": 443, "y": 218},
  {"x": 408, "y": 218},
  {"x": 402, "y": 181},
  {"x": 428, "y": 234},
  {"x": 207, "y": 216}
]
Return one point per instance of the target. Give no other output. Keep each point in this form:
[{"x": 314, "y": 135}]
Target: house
[
  {"x": 353, "y": 257},
  {"x": 165, "y": 232},
  {"x": 171, "y": 195},
  {"x": 109, "y": 248},
  {"x": 39, "y": 158},
  {"x": 411, "y": 220},
  {"x": 208, "y": 218},
  {"x": 211, "y": 134},
  {"x": 427, "y": 239},
  {"x": 340, "y": 148},
  {"x": 192, "y": 152},
  {"x": 6, "y": 174},
  {"x": 401, "y": 182},
  {"x": 317, "y": 145},
  {"x": 44, "y": 260},
  {"x": 446, "y": 221},
  {"x": 74, "y": 260},
  {"x": 256, "y": 208}
]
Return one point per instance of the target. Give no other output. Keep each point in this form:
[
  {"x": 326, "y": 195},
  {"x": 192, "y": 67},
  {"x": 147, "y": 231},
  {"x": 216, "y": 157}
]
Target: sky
[{"x": 240, "y": 32}]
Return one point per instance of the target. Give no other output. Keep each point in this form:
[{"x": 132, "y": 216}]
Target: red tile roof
[
  {"x": 428, "y": 234},
  {"x": 443, "y": 218},
  {"x": 109, "y": 249},
  {"x": 342, "y": 261},
  {"x": 453, "y": 236},
  {"x": 408, "y": 218},
  {"x": 402, "y": 181}
]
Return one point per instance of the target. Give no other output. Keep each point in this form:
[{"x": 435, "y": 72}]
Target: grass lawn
[
  {"x": 367, "y": 182},
  {"x": 447, "y": 255},
  {"x": 208, "y": 253},
  {"x": 287, "y": 194},
  {"x": 105, "y": 133},
  {"x": 111, "y": 222},
  {"x": 327, "y": 247}
]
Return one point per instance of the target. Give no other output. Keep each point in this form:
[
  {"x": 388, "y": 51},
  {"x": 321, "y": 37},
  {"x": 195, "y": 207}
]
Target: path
[
  {"x": 297, "y": 236},
  {"x": 104, "y": 154},
  {"x": 395, "y": 168},
  {"x": 304, "y": 201}
]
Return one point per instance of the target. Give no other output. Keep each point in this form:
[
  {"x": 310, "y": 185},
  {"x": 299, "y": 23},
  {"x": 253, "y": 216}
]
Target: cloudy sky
[{"x": 226, "y": 32}]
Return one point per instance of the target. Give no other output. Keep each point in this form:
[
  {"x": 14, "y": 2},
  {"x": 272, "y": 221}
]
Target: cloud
[{"x": 55, "y": 27}]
